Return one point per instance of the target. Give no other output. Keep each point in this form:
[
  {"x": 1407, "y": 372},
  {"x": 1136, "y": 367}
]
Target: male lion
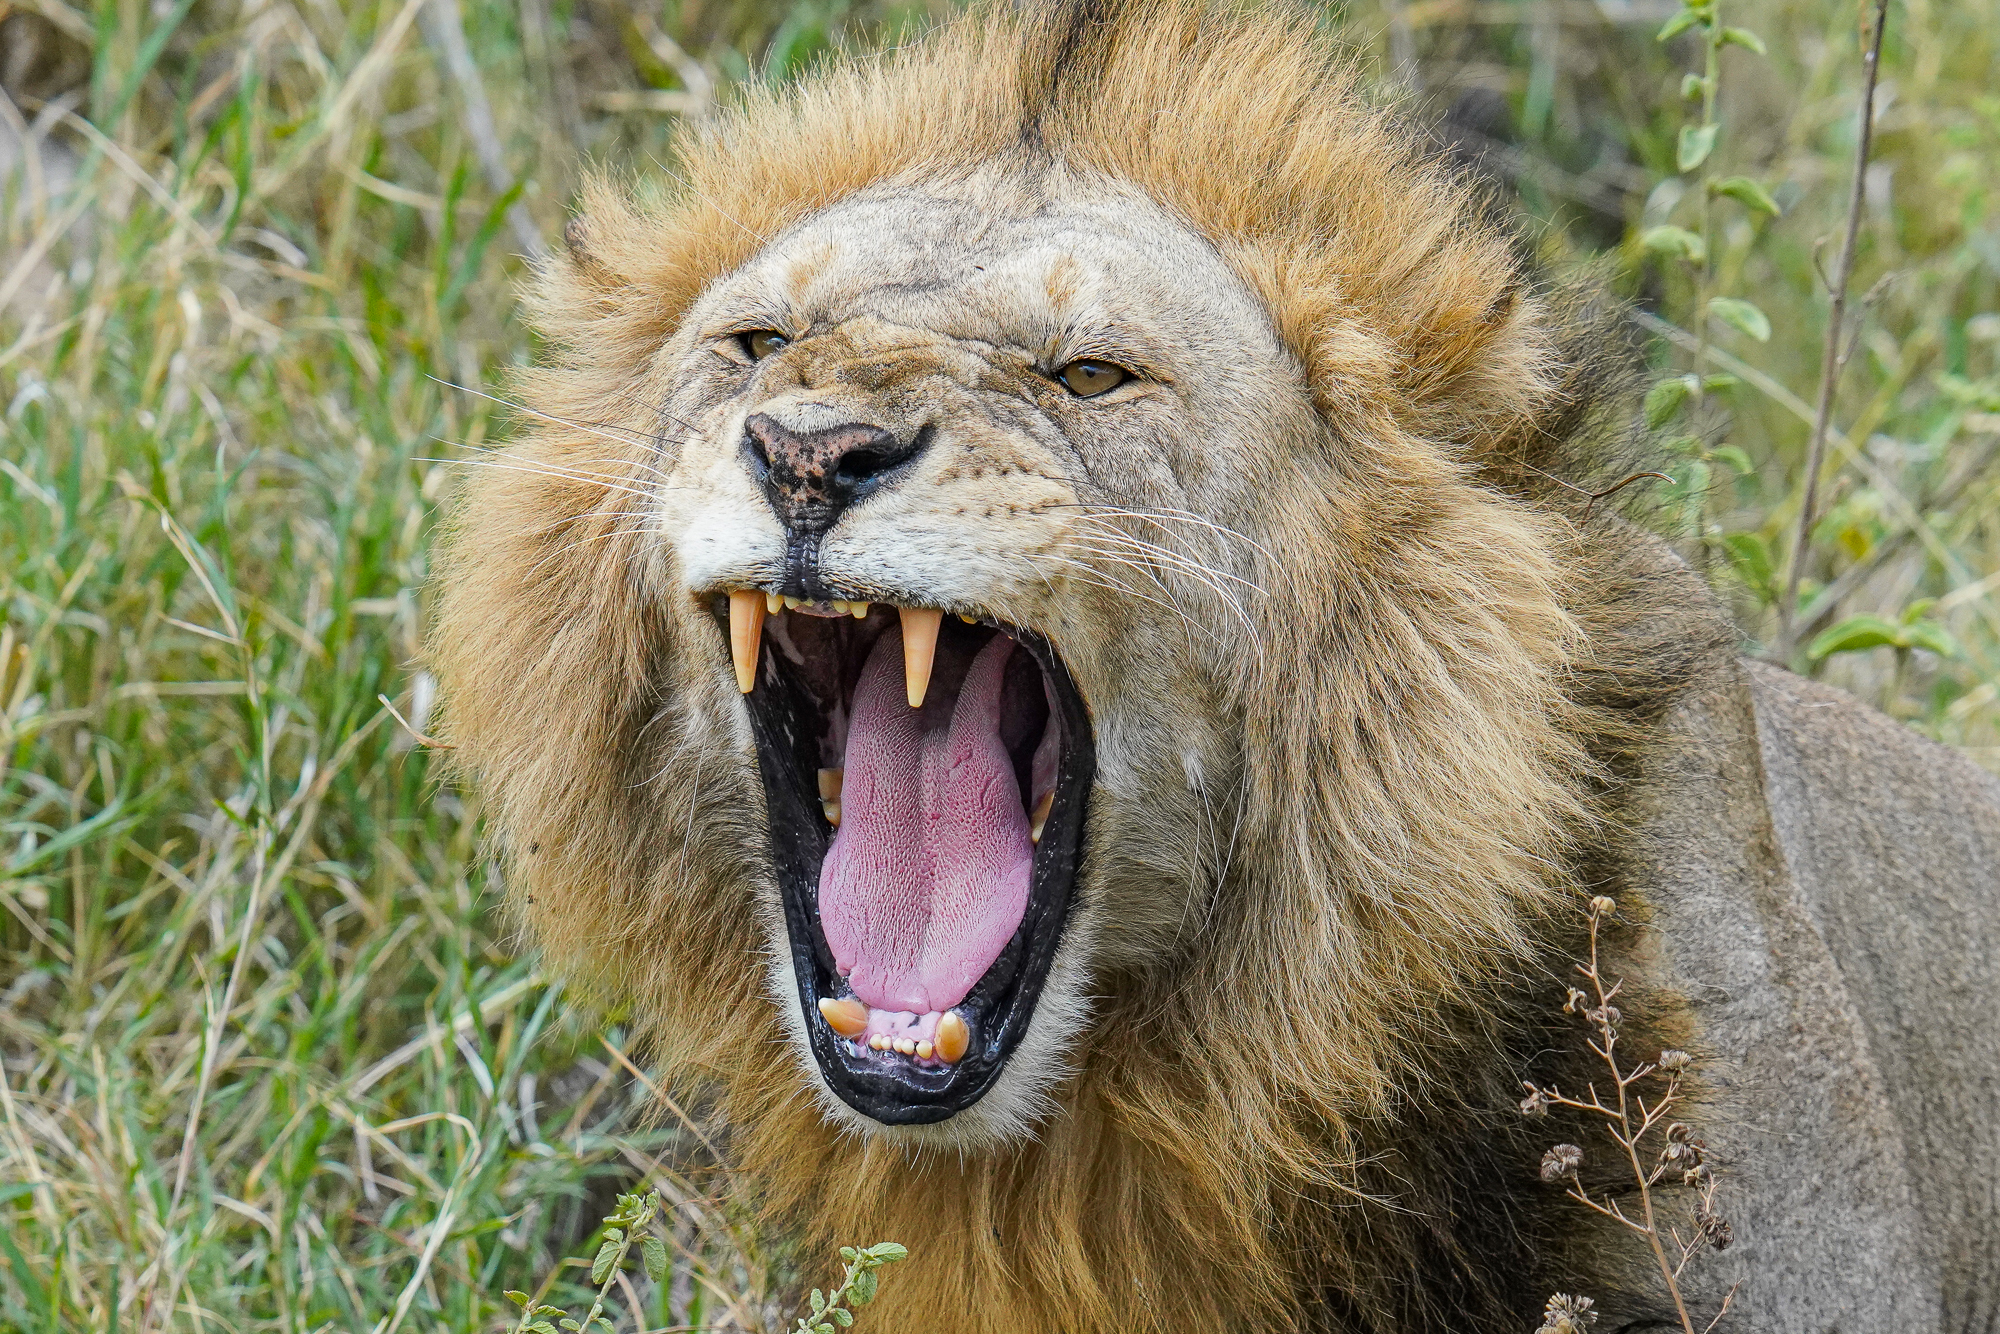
[{"x": 1049, "y": 639}]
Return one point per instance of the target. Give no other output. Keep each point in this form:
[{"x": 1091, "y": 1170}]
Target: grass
[{"x": 271, "y": 1060}]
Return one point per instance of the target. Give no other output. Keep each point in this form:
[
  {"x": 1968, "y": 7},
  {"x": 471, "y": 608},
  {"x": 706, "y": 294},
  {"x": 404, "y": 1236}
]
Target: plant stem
[{"x": 1831, "y": 359}]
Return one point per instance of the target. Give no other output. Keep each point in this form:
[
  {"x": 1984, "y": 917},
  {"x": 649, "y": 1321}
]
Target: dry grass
[{"x": 269, "y": 1062}]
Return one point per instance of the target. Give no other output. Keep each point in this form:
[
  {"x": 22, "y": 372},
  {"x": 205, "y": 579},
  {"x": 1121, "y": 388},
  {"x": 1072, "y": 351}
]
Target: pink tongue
[{"x": 928, "y": 874}]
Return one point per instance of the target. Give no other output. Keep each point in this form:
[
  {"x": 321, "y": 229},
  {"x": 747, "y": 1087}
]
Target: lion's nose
[{"x": 811, "y": 477}]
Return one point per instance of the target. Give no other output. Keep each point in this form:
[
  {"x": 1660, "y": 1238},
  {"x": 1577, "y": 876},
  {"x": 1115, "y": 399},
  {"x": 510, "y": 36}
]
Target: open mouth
[{"x": 925, "y": 778}]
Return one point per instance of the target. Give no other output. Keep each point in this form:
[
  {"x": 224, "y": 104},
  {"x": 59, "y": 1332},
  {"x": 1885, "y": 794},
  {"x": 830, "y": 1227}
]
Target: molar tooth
[
  {"x": 848, "y": 1018},
  {"x": 924, "y": 1050},
  {"x": 1041, "y": 815},
  {"x": 858, "y": 610},
  {"x": 953, "y": 1037},
  {"x": 920, "y": 636},
  {"x": 746, "y": 632}
]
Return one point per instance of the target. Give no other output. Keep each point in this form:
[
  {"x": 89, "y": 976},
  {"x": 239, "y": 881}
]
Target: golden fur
[{"x": 1410, "y": 698}]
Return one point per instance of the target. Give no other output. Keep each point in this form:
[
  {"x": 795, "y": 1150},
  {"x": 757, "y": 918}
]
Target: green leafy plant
[
  {"x": 1910, "y": 631},
  {"x": 630, "y": 1222},
  {"x": 857, "y": 1288},
  {"x": 1693, "y": 248}
]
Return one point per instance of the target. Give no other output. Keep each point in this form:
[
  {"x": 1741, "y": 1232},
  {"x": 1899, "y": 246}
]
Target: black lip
[{"x": 785, "y": 723}]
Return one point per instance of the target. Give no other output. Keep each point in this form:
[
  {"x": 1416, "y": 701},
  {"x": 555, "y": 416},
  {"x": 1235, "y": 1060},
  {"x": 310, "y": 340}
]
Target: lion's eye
[
  {"x": 1088, "y": 379},
  {"x": 761, "y": 343}
]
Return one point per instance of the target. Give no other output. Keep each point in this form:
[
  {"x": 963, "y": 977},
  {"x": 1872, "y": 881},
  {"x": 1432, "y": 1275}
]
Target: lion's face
[{"x": 965, "y": 501}]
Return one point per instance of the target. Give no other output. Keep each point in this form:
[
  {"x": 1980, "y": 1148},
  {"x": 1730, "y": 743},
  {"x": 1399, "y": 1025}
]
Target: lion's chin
[{"x": 925, "y": 780}]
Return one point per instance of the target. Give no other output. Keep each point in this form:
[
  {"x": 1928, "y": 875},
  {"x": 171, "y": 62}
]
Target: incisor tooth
[
  {"x": 1041, "y": 815},
  {"x": 920, "y": 636},
  {"x": 953, "y": 1037},
  {"x": 791, "y": 602},
  {"x": 845, "y": 1017},
  {"x": 878, "y": 1043},
  {"x": 858, "y": 610},
  {"x": 924, "y": 1049},
  {"x": 907, "y": 1046},
  {"x": 746, "y": 632},
  {"x": 773, "y": 604}
]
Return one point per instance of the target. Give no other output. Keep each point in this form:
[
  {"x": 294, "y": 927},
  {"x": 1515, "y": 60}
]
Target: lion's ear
[{"x": 577, "y": 242}]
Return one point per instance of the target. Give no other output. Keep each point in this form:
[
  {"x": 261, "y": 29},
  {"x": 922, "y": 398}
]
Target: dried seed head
[
  {"x": 1561, "y": 1162},
  {"x": 1537, "y": 1101},
  {"x": 1603, "y": 907},
  {"x": 1567, "y": 1315},
  {"x": 1679, "y": 1132},
  {"x": 1715, "y": 1229},
  {"x": 1575, "y": 1002},
  {"x": 1673, "y": 1060}
]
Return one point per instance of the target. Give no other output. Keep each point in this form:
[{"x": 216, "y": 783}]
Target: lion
[{"x": 1046, "y": 631}]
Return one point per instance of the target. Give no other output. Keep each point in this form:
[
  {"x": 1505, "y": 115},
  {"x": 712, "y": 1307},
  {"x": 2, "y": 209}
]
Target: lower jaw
[{"x": 891, "y": 1087}]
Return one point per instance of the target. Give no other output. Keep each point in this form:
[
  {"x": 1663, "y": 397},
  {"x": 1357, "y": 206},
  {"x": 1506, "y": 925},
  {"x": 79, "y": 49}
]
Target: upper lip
[{"x": 790, "y": 693}]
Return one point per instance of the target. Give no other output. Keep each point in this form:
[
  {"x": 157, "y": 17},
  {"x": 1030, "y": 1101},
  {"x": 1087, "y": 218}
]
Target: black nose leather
[{"x": 811, "y": 477}]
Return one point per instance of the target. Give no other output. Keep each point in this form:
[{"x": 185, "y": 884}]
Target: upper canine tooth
[
  {"x": 849, "y": 1018},
  {"x": 953, "y": 1037},
  {"x": 920, "y": 636},
  {"x": 746, "y": 632}
]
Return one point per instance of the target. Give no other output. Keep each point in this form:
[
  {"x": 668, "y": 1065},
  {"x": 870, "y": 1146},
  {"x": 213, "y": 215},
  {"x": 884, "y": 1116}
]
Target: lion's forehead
[{"x": 1016, "y": 268}]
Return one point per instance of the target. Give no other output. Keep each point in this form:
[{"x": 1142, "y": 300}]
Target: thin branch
[{"x": 1832, "y": 359}]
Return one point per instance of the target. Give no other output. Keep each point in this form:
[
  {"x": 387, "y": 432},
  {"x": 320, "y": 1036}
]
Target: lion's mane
[{"x": 1444, "y": 683}]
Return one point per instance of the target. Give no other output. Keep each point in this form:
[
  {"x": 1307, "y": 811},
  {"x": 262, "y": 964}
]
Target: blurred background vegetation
[{"x": 270, "y": 1059}]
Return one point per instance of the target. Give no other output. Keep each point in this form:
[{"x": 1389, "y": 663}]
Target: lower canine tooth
[
  {"x": 746, "y": 633},
  {"x": 845, "y": 1017},
  {"x": 953, "y": 1037},
  {"x": 920, "y": 636},
  {"x": 1041, "y": 815}
]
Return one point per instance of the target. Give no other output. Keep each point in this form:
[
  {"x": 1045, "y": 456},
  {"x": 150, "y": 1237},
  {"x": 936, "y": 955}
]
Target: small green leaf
[
  {"x": 548, "y": 1310},
  {"x": 1741, "y": 316},
  {"x": 1853, "y": 635},
  {"x": 600, "y": 1268},
  {"x": 888, "y": 1252},
  {"x": 1930, "y": 635},
  {"x": 1744, "y": 38},
  {"x": 849, "y": 1255},
  {"x": 1917, "y": 610},
  {"x": 541, "y": 1327},
  {"x": 822, "y": 1328},
  {"x": 1696, "y": 143},
  {"x": 569, "y": 1324},
  {"x": 654, "y": 1252},
  {"x": 606, "y": 1324},
  {"x": 1677, "y": 25},
  {"x": 1750, "y": 556},
  {"x": 818, "y": 1301},
  {"x": 1719, "y": 380},
  {"x": 1747, "y": 193},
  {"x": 518, "y": 1298},
  {"x": 1735, "y": 458},
  {"x": 842, "y": 1318},
  {"x": 613, "y": 1234},
  {"x": 861, "y": 1290},
  {"x": 1665, "y": 400},
  {"x": 1692, "y": 87},
  {"x": 1674, "y": 241}
]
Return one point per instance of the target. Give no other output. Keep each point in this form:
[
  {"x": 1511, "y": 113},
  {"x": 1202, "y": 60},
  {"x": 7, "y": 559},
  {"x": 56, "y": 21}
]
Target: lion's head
[{"x": 1016, "y": 625}]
